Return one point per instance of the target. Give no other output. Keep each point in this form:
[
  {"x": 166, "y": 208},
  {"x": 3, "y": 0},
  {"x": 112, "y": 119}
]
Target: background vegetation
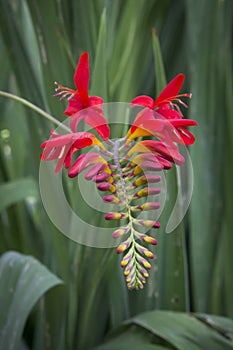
[{"x": 40, "y": 42}]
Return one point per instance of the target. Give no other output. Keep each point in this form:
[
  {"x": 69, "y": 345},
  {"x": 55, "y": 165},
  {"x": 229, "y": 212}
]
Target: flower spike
[{"x": 127, "y": 172}]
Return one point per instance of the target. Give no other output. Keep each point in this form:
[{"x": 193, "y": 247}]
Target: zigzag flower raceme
[{"x": 127, "y": 171}]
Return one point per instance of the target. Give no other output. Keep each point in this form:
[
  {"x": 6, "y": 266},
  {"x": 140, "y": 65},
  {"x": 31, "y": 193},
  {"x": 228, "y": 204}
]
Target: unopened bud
[
  {"x": 146, "y": 206},
  {"x": 106, "y": 186},
  {"x": 111, "y": 199},
  {"x": 101, "y": 177},
  {"x": 120, "y": 232},
  {"x": 122, "y": 247},
  {"x": 149, "y": 178},
  {"x": 147, "y": 223},
  {"x": 115, "y": 216},
  {"x": 150, "y": 240},
  {"x": 147, "y": 192}
]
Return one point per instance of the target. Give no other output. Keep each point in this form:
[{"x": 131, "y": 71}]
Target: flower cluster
[{"x": 126, "y": 170}]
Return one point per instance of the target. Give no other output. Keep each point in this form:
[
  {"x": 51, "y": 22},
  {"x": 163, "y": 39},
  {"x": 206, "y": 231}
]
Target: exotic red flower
[
  {"x": 162, "y": 117},
  {"x": 126, "y": 171},
  {"x": 80, "y": 104},
  {"x": 62, "y": 147}
]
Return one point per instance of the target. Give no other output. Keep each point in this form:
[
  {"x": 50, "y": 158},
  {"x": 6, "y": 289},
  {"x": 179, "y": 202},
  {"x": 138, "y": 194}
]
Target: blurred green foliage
[{"x": 40, "y": 42}]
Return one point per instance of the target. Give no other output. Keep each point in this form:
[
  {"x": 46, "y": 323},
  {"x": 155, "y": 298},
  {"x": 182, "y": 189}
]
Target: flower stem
[{"x": 35, "y": 108}]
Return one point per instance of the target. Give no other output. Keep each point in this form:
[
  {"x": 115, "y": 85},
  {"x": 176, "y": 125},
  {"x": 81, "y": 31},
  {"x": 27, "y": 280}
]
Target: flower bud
[
  {"x": 147, "y": 166},
  {"x": 147, "y": 192},
  {"x": 146, "y": 206},
  {"x": 120, "y": 232},
  {"x": 115, "y": 216},
  {"x": 147, "y": 223},
  {"x": 106, "y": 186},
  {"x": 150, "y": 240},
  {"x": 143, "y": 261},
  {"x": 123, "y": 246},
  {"x": 145, "y": 251},
  {"x": 101, "y": 177},
  {"x": 149, "y": 178},
  {"x": 111, "y": 199}
]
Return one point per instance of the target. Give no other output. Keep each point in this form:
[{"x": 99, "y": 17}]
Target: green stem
[{"x": 35, "y": 108}]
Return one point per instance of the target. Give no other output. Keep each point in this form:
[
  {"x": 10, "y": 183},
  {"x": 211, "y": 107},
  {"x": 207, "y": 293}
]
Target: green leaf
[
  {"x": 15, "y": 191},
  {"x": 99, "y": 76},
  {"x": 172, "y": 330},
  {"x": 25, "y": 280},
  {"x": 182, "y": 330},
  {"x": 160, "y": 76}
]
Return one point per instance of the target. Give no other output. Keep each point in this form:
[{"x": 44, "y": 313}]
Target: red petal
[
  {"x": 144, "y": 115},
  {"x": 81, "y": 75},
  {"x": 143, "y": 100},
  {"x": 75, "y": 105},
  {"x": 95, "y": 118},
  {"x": 159, "y": 148},
  {"x": 186, "y": 136},
  {"x": 183, "y": 122},
  {"x": 172, "y": 89},
  {"x": 95, "y": 100},
  {"x": 83, "y": 162},
  {"x": 167, "y": 112},
  {"x": 75, "y": 119}
]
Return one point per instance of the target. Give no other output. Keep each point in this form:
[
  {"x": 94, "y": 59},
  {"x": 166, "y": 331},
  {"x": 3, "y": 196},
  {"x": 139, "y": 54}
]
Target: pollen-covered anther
[
  {"x": 146, "y": 206},
  {"x": 145, "y": 179},
  {"x": 106, "y": 187},
  {"x": 115, "y": 216},
  {"x": 111, "y": 199}
]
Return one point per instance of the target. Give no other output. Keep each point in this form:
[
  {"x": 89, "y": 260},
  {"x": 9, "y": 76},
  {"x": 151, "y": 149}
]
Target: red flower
[
  {"x": 62, "y": 147},
  {"x": 163, "y": 117},
  {"x": 80, "y": 104}
]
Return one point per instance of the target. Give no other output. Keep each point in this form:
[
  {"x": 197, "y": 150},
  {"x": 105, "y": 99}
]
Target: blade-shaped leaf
[
  {"x": 25, "y": 280},
  {"x": 14, "y": 191}
]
